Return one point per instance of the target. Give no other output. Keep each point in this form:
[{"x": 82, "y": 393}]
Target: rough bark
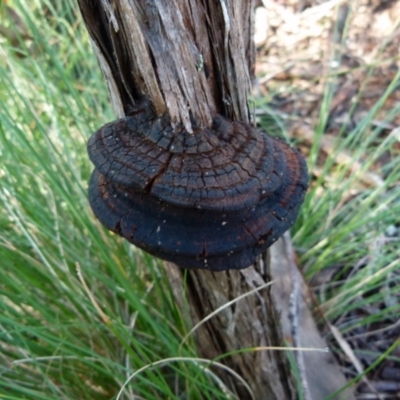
[
  {"x": 193, "y": 59},
  {"x": 250, "y": 322}
]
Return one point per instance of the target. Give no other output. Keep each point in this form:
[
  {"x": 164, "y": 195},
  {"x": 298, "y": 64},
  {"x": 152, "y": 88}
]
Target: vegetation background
[{"x": 81, "y": 310}]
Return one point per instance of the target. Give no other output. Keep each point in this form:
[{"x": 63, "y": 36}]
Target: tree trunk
[{"x": 193, "y": 59}]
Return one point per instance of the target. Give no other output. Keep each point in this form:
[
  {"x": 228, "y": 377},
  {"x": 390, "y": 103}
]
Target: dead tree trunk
[{"x": 193, "y": 59}]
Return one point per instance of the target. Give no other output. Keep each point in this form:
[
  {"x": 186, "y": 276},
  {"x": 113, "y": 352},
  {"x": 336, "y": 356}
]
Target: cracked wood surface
[{"x": 189, "y": 57}]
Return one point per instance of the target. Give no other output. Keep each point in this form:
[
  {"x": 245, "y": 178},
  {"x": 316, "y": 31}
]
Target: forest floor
[{"x": 352, "y": 48}]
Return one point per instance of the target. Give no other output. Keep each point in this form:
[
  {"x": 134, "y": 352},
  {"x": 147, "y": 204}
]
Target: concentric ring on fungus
[{"x": 212, "y": 199}]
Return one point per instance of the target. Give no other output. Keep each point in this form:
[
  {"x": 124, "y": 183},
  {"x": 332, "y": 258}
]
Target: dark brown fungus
[{"x": 213, "y": 199}]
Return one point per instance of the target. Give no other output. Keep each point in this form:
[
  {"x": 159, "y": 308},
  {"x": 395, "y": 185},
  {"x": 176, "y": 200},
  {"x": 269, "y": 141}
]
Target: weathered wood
[
  {"x": 187, "y": 56},
  {"x": 250, "y": 322},
  {"x": 195, "y": 58}
]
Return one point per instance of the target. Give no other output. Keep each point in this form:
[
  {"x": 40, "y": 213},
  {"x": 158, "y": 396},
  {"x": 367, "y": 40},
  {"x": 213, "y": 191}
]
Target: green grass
[
  {"x": 54, "y": 344},
  {"x": 59, "y": 340}
]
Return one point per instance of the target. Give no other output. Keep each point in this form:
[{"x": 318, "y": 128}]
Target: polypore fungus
[{"x": 215, "y": 198}]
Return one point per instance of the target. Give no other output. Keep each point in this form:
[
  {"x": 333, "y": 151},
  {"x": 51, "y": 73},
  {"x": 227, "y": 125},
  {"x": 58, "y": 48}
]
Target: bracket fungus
[{"x": 215, "y": 198}]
